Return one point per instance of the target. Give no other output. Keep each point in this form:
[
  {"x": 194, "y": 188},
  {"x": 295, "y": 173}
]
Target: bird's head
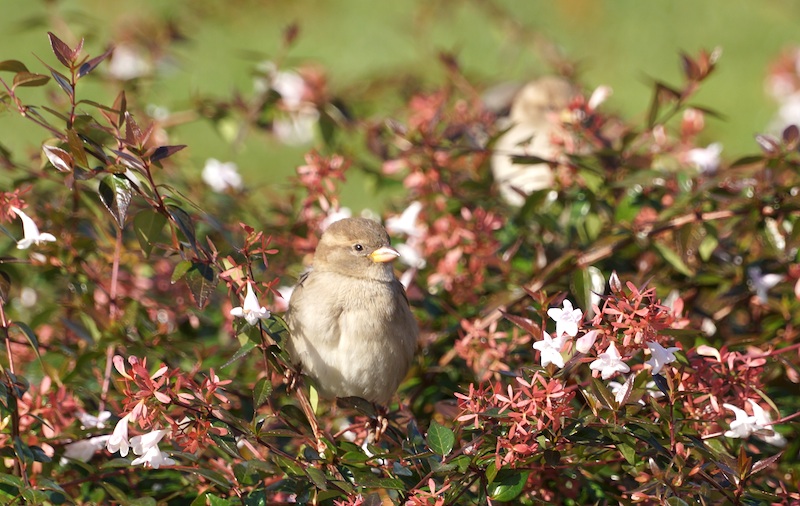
[{"x": 356, "y": 247}]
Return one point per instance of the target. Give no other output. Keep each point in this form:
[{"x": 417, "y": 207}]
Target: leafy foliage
[{"x": 684, "y": 276}]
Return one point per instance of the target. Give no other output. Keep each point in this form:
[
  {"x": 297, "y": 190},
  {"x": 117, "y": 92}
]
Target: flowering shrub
[{"x": 626, "y": 335}]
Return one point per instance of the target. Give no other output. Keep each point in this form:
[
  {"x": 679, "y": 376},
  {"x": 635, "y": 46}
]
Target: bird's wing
[{"x": 397, "y": 286}]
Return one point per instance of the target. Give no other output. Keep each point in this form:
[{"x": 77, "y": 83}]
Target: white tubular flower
[
  {"x": 406, "y": 223},
  {"x": 764, "y": 420},
  {"x": 551, "y": 349},
  {"x": 141, "y": 444},
  {"x": 84, "y": 449},
  {"x": 251, "y": 310},
  {"x": 146, "y": 446},
  {"x": 609, "y": 363},
  {"x": 31, "y": 232},
  {"x": 584, "y": 343},
  {"x": 221, "y": 176},
  {"x": 566, "y": 318},
  {"x": 744, "y": 425},
  {"x": 660, "y": 356},
  {"x": 706, "y": 160},
  {"x": 94, "y": 422},
  {"x": 154, "y": 458},
  {"x": 118, "y": 442}
]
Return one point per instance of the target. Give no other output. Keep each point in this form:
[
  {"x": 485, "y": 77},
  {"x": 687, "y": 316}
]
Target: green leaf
[
  {"x": 12, "y": 480},
  {"x": 115, "y": 193},
  {"x": 604, "y": 393},
  {"x": 226, "y": 444},
  {"x": 30, "y": 79},
  {"x": 5, "y": 287},
  {"x": 13, "y": 66},
  {"x": 184, "y": 223},
  {"x": 440, "y": 439},
  {"x": 627, "y": 451},
  {"x": 317, "y": 477},
  {"x": 673, "y": 259},
  {"x": 180, "y": 270},
  {"x": 246, "y": 348},
  {"x": 707, "y": 247},
  {"x": 507, "y": 485},
  {"x": 262, "y": 391},
  {"x": 29, "y": 335},
  {"x": 202, "y": 280},
  {"x": 76, "y": 148},
  {"x": 148, "y": 226}
]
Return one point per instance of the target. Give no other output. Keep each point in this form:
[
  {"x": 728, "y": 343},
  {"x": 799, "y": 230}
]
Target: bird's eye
[{"x": 358, "y": 247}]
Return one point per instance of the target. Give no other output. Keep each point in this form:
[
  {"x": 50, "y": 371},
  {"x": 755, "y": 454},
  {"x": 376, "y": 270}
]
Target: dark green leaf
[
  {"x": 604, "y": 393},
  {"x": 29, "y": 335},
  {"x": 148, "y": 226},
  {"x": 507, "y": 485},
  {"x": 115, "y": 193},
  {"x": 261, "y": 391},
  {"x": 184, "y": 223},
  {"x": 246, "y": 348},
  {"x": 529, "y": 160},
  {"x": 317, "y": 477},
  {"x": 440, "y": 439},
  {"x": 63, "y": 82},
  {"x": 202, "y": 280},
  {"x": 226, "y": 444},
  {"x": 5, "y": 287},
  {"x": 12, "y": 480},
  {"x": 673, "y": 259}
]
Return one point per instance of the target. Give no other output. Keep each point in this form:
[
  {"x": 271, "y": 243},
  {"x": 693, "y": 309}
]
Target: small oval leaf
[
  {"x": 440, "y": 439},
  {"x": 115, "y": 193}
]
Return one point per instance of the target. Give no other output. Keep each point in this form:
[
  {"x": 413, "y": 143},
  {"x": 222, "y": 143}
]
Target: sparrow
[
  {"x": 532, "y": 128},
  {"x": 350, "y": 323}
]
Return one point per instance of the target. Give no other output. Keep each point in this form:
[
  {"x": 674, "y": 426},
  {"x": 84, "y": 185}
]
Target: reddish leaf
[
  {"x": 690, "y": 67},
  {"x": 94, "y": 62},
  {"x": 133, "y": 134},
  {"x": 165, "y": 151},
  {"x": 764, "y": 463},
  {"x": 76, "y": 148},
  {"x": 60, "y": 159},
  {"x": 129, "y": 160},
  {"x": 62, "y": 51},
  {"x": 768, "y": 144},
  {"x": 791, "y": 135},
  {"x": 523, "y": 323},
  {"x": 121, "y": 105}
]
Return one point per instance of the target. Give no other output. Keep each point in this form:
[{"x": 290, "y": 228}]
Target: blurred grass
[{"x": 618, "y": 43}]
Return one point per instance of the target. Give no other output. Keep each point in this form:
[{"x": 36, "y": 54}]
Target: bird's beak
[{"x": 383, "y": 255}]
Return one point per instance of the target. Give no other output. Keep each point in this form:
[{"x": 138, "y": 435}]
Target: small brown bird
[
  {"x": 530, "y": 134},
  {"x": 350, "y": 322}
]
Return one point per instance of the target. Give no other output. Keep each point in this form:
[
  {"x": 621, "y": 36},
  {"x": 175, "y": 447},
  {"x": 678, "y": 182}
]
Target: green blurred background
[{"x": 359, "y": 43}]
